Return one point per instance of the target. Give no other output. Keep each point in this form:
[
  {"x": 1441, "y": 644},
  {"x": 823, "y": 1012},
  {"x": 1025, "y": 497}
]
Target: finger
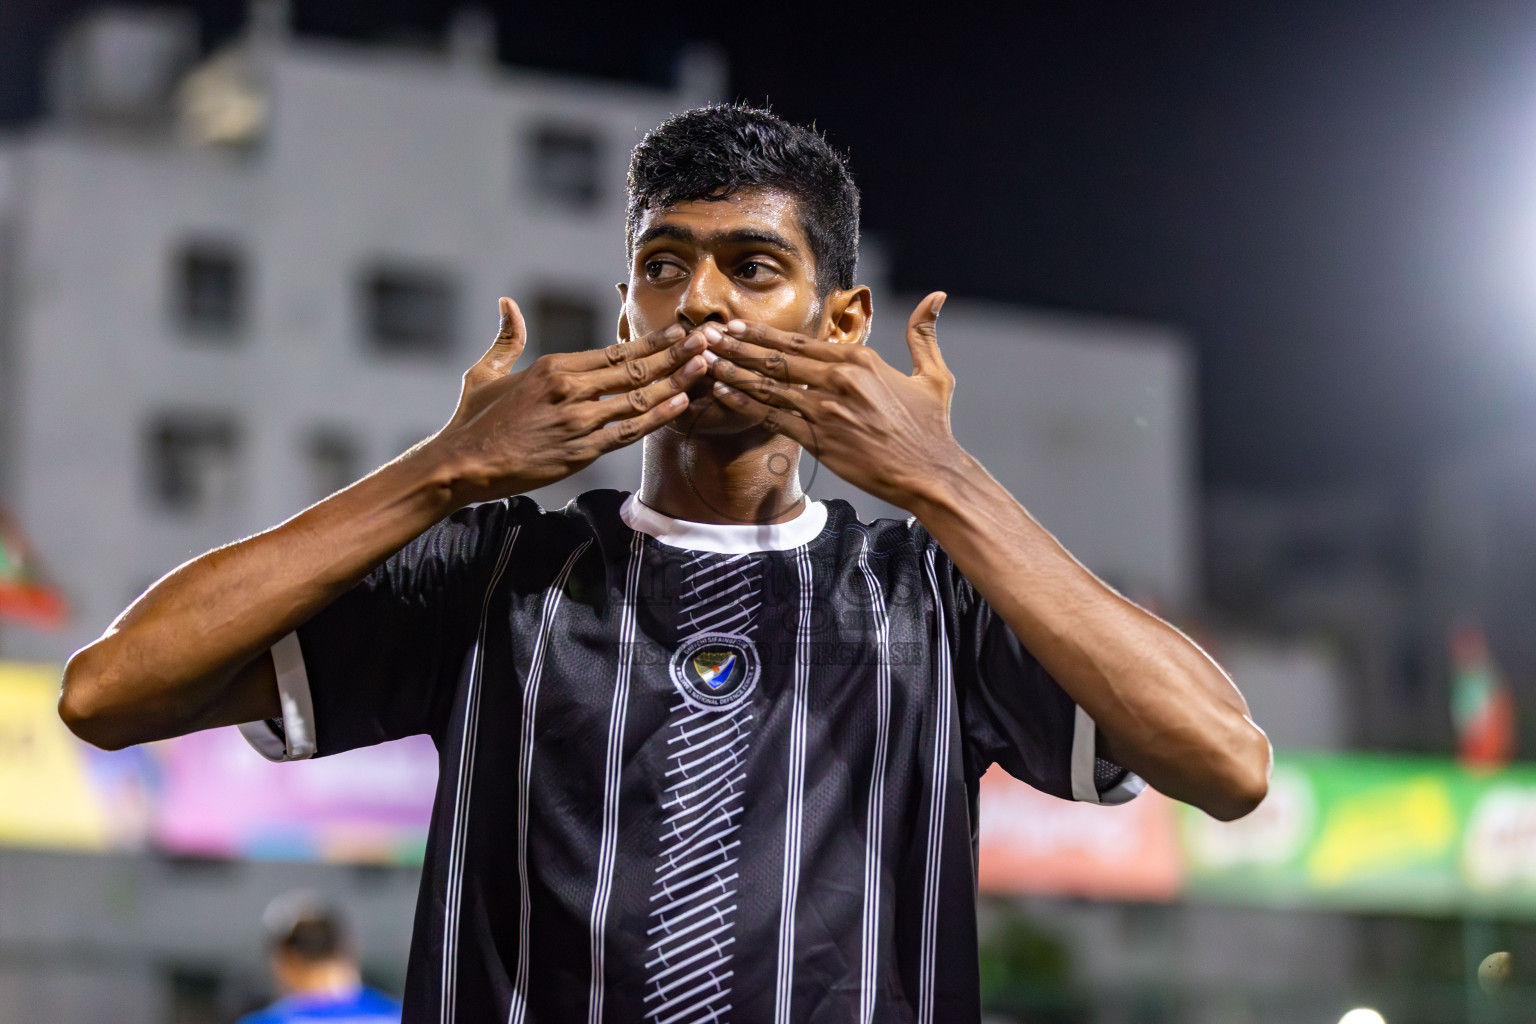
[
  {"x": 765, "y": 389},
  {"x": 788, "y": 341},
  {"x": 637, "y": 373},
  {"x": 597, "y": 358},
  {"x": 627, "y": 431},
  {"x": 775, "y": 364},
  {"x": 653, "y": 394},
  {"x": 769, "y": 417},
  {"x": 511, "y": 338},
  {"x": 923, "y": 335}
]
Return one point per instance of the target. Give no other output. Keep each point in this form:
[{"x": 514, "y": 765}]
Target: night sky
[{"x": 1336, "y": 201}]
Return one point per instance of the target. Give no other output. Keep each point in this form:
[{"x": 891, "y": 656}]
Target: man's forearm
[
  {"x": 190, "y": 653},
  {"x": 1164, "y": 709}
]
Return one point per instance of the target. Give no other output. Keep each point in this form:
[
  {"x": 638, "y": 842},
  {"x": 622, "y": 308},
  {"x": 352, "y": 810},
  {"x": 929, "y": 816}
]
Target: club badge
[{"x": 715, "y": 670}]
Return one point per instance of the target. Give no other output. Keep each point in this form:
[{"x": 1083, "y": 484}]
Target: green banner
[{"x": 1374, "y": 833}]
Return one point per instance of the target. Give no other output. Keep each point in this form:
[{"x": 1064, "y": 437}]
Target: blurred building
[
  {"x": 235, "y": 290},
  {"x": 234, "y": 287},
  {"x": 1381, "y": 573}
]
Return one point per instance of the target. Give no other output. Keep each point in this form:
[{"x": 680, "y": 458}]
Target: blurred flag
[
  {"x": 1482, "y": 707},
  {"x": 24, "y": 596}
]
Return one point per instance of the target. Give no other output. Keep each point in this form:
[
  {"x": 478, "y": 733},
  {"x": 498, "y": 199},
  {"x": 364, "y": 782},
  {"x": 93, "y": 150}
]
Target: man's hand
[
  {"x": 884, "y": 431},
  {"x": 191, "y": 653},
  {"x": 513, "y": 432}
]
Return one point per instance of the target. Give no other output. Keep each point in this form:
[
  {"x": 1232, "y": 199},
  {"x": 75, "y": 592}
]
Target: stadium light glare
[{"x": 1362, "y": 1015}]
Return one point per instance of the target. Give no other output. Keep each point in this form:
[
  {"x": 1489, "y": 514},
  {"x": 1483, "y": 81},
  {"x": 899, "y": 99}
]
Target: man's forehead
[{"x": 768, "y": 210}]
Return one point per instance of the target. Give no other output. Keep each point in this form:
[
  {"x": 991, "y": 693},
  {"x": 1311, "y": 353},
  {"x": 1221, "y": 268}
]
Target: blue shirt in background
[{"x": 366, "y": 1006}]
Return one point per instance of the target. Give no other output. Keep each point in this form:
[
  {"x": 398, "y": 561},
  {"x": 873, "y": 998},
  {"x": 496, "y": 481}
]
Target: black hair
[
  {"x": 306, "y": 927},
  {"x": 715, "y": 151}
]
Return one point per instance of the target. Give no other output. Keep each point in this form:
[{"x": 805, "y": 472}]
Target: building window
[
  {"x": 210, "y": 289},
  {"x": 192, "y": 461},
  {"x": 335, "y": 461},
  {"x": 409, "y": 310},
  {"x": 564, "y": 322},
  {"x": 566, "y": 165}
]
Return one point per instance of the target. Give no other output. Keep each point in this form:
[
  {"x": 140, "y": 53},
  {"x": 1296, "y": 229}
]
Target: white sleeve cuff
[
  {"x": 291, "y": 737},
  {"x": 1085, "y": 737}
]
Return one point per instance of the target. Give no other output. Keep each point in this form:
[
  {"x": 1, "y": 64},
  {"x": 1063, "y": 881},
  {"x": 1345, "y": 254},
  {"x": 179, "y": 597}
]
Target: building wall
[
  {"x": 376, "y": 155},
  {"x": 368, "y": 158}
]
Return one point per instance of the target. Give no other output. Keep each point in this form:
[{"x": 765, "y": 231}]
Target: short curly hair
[{"x": 715, "y": 151}]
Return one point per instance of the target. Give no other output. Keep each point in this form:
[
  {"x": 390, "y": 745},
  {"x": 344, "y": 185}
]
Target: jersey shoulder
[{"x": 881, "y": 535}]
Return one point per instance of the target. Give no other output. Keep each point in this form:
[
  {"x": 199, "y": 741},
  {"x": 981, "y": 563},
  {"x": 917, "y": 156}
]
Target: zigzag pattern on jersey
[{"x": 694, "y": 893}]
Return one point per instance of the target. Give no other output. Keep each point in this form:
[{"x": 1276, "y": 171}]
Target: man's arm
[
  {"x": 192, "y": 652},
  {"x": 1163, "y": 708}
]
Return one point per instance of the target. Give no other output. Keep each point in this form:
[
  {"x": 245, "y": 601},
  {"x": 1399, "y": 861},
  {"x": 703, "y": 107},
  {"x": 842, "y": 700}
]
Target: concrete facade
[{"x": 374, "y": 158}]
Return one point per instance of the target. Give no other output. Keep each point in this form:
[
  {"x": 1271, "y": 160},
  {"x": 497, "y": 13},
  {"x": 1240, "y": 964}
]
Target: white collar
[{"x": 726, "y": 540}]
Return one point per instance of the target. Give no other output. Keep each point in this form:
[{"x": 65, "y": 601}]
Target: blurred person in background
[
  {"x": 314, "y": 963},
  {"x": 709, "y": 751}
]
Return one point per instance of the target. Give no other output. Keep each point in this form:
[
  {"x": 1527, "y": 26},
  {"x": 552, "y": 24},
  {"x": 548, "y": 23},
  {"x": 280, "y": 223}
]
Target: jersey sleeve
[
  {"x": 382, "y": 660},
  {"x": 1012, "y": 712}
]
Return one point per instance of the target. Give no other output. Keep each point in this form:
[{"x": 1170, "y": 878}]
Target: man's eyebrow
[
  {"x": 757, "y": 236},
  {"x": 674, "y": 231},
  {"x": 738, "y": 236}
]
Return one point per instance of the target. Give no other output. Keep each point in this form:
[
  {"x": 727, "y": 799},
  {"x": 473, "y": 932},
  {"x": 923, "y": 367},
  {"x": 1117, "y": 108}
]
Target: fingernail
[
  {"x": 697, "y": 364},
  {"x": 939, "y": 304},
  {"x": 693, "y": 344},
  {"x": 710, "y": 358},
  {"x": 678, "y": 400},
  {"x": 723, "y": 391},
  {"x": 714, "y": 334},
  {"x": 736, "y": 326},
  {"x": 674, "y": 332}
]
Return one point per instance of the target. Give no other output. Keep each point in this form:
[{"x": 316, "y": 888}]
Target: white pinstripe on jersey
[
  {"x": 784, "y": 992},
  {"x": 944, "y": 695},
  {"x": 552, "y": 596},
  {"x": 448, "y": 1005},
  {"x": 874, "y": 828},
  {"x": 608, "y": 846}
]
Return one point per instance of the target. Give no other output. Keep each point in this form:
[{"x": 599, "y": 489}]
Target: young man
[{"x": 709, "y": 752}]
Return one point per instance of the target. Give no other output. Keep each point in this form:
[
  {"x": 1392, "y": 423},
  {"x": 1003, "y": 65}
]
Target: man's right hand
[
  {"x": 191, "y": 652},
  {"x": 516, "y": 431}
]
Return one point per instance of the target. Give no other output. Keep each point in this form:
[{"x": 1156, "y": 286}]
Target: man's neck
[{"x": 727, "y": 480}]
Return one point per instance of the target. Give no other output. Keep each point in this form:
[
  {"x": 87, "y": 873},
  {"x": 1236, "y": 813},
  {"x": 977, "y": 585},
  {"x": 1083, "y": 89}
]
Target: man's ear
[
  {"x": 623, "y": 311},
  {"x": 849, "y": 314}
]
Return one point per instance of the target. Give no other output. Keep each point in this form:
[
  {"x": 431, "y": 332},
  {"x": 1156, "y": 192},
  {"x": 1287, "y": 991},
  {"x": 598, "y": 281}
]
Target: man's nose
[{"x": 707, "y": 297}]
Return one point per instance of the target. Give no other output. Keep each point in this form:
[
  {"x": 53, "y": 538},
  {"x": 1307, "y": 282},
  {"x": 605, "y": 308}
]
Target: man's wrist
[
  {"x": 440, "y": 479},
  {"x": 948, "y": 487}
]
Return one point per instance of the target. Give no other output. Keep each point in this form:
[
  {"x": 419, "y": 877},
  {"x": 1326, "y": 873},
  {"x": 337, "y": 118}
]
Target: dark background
[{"x": 1337, "y": 201}]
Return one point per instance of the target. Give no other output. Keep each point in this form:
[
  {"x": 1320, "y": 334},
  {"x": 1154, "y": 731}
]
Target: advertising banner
[
  {"x": 1359, "y": 832},
  {"x": 48, "y": 796},
  {"x": 208, "y": 794},
  {"x": 218, "y": 797},
  {"x": 1034, "y": 843},
  {"x": 1374, "y": 833}
]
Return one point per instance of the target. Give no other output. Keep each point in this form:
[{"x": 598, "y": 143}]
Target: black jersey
[{"x": 687, "y": 772}]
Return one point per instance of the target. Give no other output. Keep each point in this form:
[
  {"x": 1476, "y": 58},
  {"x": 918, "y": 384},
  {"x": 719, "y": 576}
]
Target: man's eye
[
  {"x": 755, "y": 271},
  {"x": 662, "y": 270}
]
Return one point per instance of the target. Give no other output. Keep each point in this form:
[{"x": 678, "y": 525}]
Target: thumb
[
  {"x": 923, "y": 335},
  {"x": 511, "y": 338}
]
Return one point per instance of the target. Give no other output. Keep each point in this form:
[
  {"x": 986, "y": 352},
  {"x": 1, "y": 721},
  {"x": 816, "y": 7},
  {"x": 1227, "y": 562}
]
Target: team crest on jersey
[{"x": 715, "y": 670}]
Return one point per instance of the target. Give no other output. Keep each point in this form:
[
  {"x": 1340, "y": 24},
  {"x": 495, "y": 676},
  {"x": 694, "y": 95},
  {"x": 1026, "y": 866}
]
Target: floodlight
[{"x": 1362, "y": 1015}]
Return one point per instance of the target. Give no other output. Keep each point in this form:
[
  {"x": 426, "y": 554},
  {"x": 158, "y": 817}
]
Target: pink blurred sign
[{"x": 219, "y": 798}]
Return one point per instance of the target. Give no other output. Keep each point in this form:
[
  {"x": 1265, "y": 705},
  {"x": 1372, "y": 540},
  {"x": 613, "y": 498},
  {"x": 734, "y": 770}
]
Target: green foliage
[{"x": 1028, "y": 973}]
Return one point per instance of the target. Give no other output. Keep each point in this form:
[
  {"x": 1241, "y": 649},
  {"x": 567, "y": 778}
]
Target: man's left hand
[{"x": 884, "y": 431}]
